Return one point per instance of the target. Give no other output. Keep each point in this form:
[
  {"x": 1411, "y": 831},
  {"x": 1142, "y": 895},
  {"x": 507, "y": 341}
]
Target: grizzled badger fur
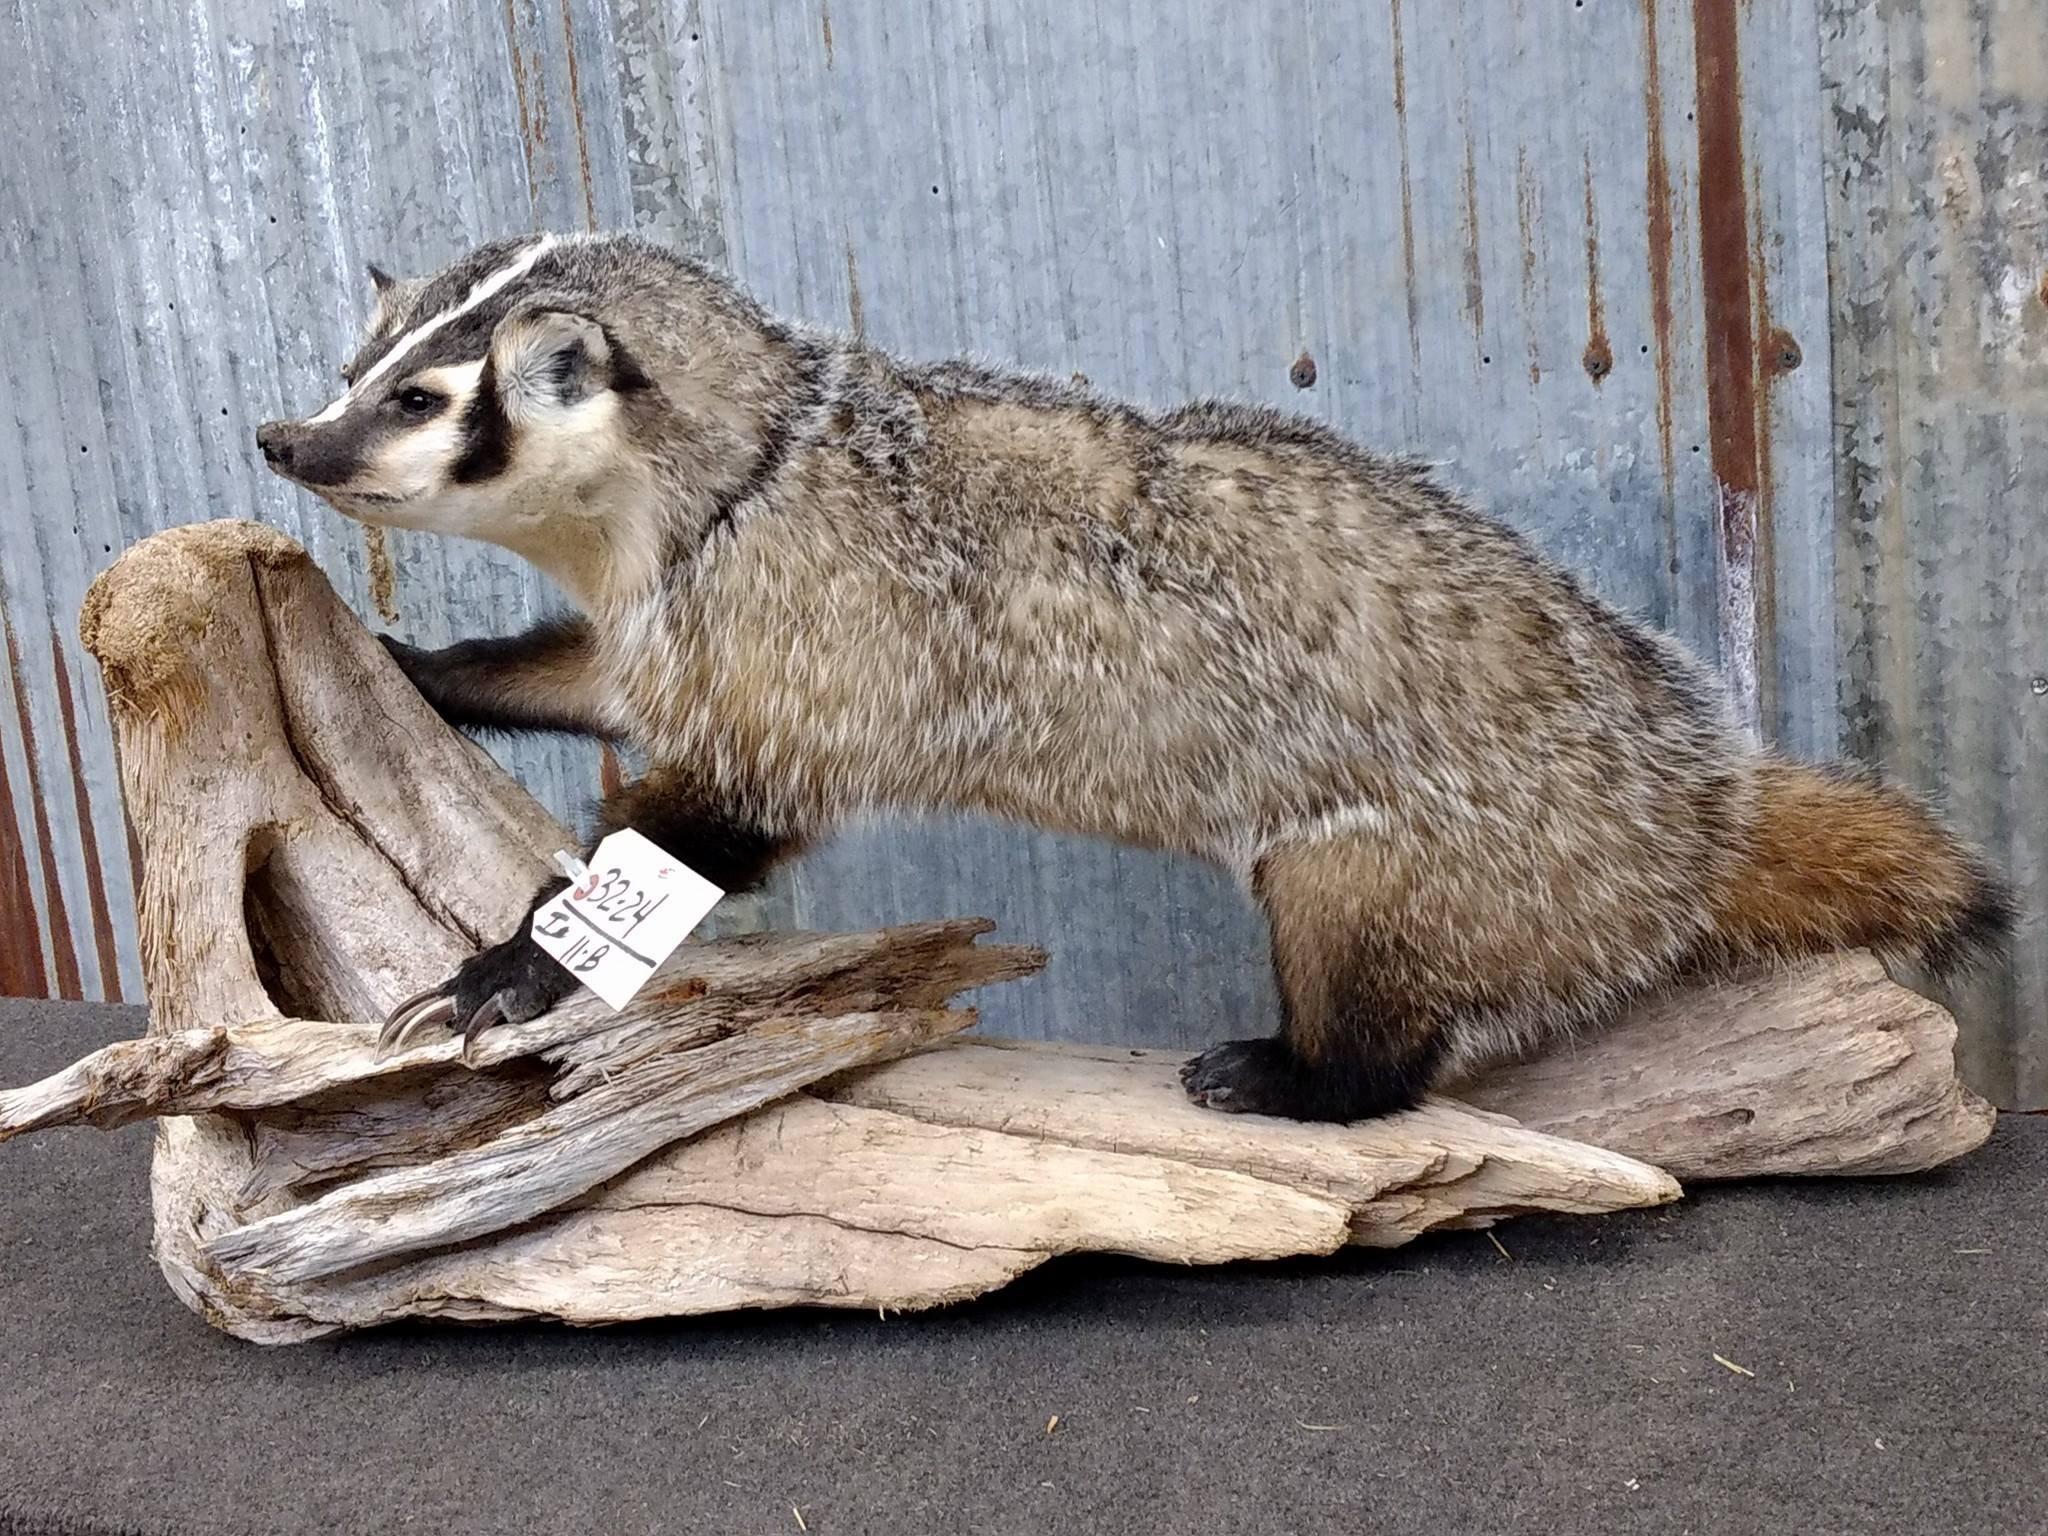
[{"x": 1478, "y": 806}]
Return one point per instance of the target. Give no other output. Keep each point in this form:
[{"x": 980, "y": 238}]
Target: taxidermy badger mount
[{"x": 1478, "y": 806}]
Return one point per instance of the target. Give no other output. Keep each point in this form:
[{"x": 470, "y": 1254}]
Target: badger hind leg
[{"x": 1371, "y": 1004}]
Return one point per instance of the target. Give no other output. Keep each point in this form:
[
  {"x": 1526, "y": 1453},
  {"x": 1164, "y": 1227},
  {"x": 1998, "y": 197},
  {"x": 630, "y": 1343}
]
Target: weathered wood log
[{"x": 315, "y": 844}]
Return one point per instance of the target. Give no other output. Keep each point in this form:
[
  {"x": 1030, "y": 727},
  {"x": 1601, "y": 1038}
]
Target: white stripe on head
[{"x": 483, "y": 290}]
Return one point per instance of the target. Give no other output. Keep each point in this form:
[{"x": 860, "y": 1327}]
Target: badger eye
[{"x": 415, "y": 401}]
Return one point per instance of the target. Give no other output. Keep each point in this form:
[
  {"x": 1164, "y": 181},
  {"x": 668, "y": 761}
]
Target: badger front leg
[
  {"x": 546, "y": 679},
  {"x": 517, "y": 980}
]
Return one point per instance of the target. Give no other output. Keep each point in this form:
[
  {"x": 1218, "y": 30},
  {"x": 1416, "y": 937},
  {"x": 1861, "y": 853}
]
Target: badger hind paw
[{"x": 1246, "y": 1077}]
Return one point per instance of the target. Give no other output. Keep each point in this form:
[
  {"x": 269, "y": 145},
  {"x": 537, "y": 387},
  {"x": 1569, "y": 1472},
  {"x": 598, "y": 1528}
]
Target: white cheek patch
[
  {"x": 417, "y": 460},
  {"x": 569, "y": 498},
  {"x": 562, "y": 452},
  {"x": 414, "y": 462},
  {"x": 582, "y": 437},
  {"x": 457, "y": 381},
  {"x": 487, "y": 287},
  {"x": 561, "y": 463}
]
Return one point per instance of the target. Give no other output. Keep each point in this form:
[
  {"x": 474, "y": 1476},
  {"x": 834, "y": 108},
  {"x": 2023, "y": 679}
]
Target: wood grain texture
[{"x": 729, "y": 1139}]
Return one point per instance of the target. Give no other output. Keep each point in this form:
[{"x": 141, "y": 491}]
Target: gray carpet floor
[{"x": 1893, "y": 1337}]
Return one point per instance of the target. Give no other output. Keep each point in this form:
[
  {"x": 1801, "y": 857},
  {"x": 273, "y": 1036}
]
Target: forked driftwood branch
[{"x": 776, "y": 1119}]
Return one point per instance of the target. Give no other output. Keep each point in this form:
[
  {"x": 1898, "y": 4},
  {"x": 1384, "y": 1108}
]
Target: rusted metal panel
[
  {"x": 56, "y": 919},
  {"x": 1578, "y": 253},
  {"x": 1787, "y": 171},
  {"x": 24, "y": 969},
  {"x": 1937, "y": 142},
  {"x": 1739, "y": 449}
]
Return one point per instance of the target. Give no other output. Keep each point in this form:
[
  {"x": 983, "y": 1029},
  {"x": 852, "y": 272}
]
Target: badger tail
[{"x": 1838, "y": 860}]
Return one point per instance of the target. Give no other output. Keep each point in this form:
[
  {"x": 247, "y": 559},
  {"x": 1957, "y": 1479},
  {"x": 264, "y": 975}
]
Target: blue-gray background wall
[{"x": 1741, "y": 309}]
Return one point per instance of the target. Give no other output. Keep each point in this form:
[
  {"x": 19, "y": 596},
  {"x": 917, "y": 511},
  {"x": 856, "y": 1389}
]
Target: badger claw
[
  {"x": 491, "y": 1012},
  {"x": 508, "y": 983},
  {"x": 417, "y": 1012}
]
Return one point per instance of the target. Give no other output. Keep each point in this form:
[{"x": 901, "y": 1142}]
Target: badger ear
[
  {"x": 549, "y": 359},
  {"x": 393, "y": 295}
]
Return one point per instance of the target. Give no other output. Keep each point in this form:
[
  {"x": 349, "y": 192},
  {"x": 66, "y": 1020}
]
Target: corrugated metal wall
[
  {"x": 1937, "y": 147},
  {"x": 1580, "y": 252}
]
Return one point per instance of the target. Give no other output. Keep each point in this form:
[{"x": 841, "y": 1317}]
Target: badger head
[{"x": 560, "y": 396}]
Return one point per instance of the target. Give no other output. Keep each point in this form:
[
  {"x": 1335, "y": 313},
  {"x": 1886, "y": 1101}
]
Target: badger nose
[{"x": 274, "y": 438}]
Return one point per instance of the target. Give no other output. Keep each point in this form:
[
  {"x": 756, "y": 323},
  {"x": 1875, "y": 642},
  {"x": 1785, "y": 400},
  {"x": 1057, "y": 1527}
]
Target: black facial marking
[
  {"x": 465, "y": 337},
  {"x": 417, "y": 403},
  {"x": 486, "y": 432},
  {"x": 327, "y": 454}
]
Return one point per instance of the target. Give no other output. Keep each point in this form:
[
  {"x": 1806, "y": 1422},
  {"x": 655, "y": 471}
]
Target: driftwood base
[{"x": 779, "y": 1119}]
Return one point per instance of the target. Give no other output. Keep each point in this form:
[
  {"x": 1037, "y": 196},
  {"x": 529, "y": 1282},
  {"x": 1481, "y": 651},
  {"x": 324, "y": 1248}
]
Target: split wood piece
[
  {"x": 702, "y": 994},
  {"x": 1827, "y": 1067},
  {"x": 315, "y": 842},
  {"x": 536, "y": 1164}
]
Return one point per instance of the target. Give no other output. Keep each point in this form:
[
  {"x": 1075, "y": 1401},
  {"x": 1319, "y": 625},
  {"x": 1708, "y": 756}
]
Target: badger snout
[
  {"x": 318, "y": 455},
  {"x": 275, "y": 438}
]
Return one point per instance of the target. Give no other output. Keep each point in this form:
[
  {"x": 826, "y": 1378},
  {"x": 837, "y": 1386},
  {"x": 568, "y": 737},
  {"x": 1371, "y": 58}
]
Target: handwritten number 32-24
[{"x": 616, "y": 899}]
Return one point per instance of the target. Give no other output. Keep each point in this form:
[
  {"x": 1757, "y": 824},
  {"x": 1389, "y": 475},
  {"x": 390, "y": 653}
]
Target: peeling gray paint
[{"x": 1459, "y": 211}]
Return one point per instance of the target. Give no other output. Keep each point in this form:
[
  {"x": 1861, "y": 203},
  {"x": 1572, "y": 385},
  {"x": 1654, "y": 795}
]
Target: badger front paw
[{"x": 508, "y": 983}]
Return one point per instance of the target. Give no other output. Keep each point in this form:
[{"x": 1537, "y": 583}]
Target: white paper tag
[{"x": 630, "y": 909}]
